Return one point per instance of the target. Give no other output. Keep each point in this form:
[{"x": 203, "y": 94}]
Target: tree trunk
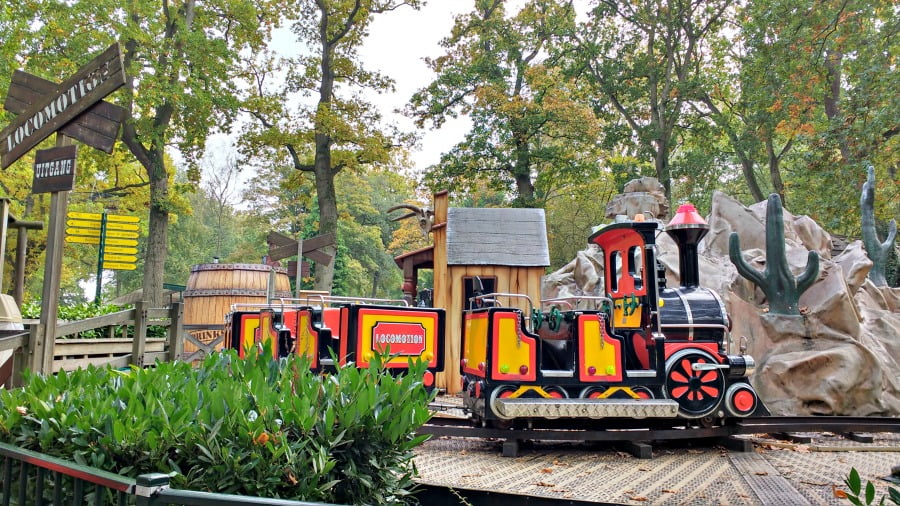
[
  {"x": 157, "y": 240},
  {"x": 522, "y": 175},
  {"x": 327, "y": 200}
]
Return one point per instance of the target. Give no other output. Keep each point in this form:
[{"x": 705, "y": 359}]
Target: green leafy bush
[
  {"x": 854, "y": 483},
  {"x": 254, "y": 427}
]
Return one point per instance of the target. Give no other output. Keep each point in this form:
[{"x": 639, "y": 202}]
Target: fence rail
[
  {"x": 32, "y": 478},
  {"x": 29, "y": 350}
]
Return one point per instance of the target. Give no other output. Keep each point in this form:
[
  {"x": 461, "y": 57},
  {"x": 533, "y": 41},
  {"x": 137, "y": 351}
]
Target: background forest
[{"x": 567, "y": 100}]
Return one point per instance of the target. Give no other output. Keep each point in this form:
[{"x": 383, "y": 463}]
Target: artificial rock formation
[{"x": 839, "y": 356}]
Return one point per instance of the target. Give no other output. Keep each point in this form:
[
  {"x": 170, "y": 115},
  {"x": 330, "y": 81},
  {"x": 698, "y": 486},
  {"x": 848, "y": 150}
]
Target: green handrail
[{"x": 148, "y": 489}]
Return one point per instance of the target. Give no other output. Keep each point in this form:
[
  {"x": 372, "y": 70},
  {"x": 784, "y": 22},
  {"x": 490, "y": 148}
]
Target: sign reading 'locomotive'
[
  {"x": 69, "y": 100},
  {"x": 402, "y": 338}
]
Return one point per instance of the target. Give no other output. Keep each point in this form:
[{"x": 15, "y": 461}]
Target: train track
[{"x": 652, "y": 431}]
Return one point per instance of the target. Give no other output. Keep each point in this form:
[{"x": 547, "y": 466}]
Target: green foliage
[
  {"x": 854, "y": 483},
  {"x": 533, "y": 127},
  {"x": 251, "y": 427}
]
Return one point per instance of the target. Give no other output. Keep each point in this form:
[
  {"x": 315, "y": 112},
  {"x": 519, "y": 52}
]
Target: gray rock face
[{"x": 841, "y": 357}]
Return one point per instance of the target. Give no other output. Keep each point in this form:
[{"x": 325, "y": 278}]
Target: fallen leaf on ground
[
  {"x": 643, "y": 469},
  {"x": 546, "y": 470},
  {"x": 545, "y": 484},
  {"x": 761, "y": 473},
  {"x": 802, "y": 449},
  {"x": 638, "y": 498},
  {"x": 813, "y": 483},
  {"x": 840, "y": 494},
  {"x": 667, "y": 491}
]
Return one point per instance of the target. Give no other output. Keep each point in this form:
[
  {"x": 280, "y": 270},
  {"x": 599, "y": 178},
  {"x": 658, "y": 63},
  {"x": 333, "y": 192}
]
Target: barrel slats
[{"x": 213, "y": 288}]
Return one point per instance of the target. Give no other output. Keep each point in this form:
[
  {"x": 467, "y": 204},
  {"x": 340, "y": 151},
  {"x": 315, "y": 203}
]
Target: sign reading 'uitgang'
[{"x": 54, "y": 169}]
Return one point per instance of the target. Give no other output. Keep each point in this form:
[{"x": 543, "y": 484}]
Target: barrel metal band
[{"x": 234, "y": 291}]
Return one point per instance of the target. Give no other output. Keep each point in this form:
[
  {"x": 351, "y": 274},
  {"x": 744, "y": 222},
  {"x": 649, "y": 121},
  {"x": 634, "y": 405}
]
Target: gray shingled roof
[{"x": 496, "y": 236}]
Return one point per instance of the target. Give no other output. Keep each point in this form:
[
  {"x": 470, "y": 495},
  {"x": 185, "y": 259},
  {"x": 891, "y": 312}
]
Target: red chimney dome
[{"x": 686, "y": 216}]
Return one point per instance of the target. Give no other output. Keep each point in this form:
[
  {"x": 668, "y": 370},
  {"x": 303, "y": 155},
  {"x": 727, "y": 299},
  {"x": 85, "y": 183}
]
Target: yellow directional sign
[
  {"x": 83, "y": 240},
  {"x": 118, "y": 218},
  {"x": 107, "y": 257},
  {"x": 85, "y": 216},
  {"x": 89, "y": 232},
  {"x": 117, "y": 266},
  {"x": 120, "y": 250},
  {"x": 83, "y": 223},
  {"x": 121, "y": 226},
  {"x": 122, "y": 234},
  {"x": 120, "y": 242},
  {"x": 121, "y": 218}
]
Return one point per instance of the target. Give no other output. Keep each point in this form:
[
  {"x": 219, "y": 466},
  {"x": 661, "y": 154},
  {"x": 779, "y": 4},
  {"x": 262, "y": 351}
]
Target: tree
[
  {"x": 341, "y": 130},
  {"x": 646, "y": 59},
  {"x": 529, "y": 126},
  {"x": 180, "y": 57}
]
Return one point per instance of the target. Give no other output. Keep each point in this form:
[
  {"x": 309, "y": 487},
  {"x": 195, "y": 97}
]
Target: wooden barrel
[{"x": 212, "y": 289}]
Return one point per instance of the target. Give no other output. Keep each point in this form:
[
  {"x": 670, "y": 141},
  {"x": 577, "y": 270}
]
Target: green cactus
[
  {"x": 878, "y": 252},
  {"x": 776, "y": 281}
]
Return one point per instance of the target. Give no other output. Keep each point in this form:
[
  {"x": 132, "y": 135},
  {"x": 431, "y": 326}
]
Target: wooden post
[
  {"x": 19, "y": 280},
  {"x": 4, "y": 229},
  {"x": 40, "y": 355},
  {"x": 299, "y": 275},
  {"x": 53, "y": 265},
  {"x": 20, "y": 363},
  {"x": 176, "y": 332},
  {"x": 139, "y": 341}
]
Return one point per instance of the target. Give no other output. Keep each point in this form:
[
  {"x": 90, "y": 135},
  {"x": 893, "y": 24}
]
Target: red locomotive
[{"x": 642, "y": 351}]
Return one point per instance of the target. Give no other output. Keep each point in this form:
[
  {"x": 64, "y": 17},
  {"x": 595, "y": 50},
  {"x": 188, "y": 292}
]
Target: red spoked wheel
[
  {"x": 592, "y": 392},
  {"x": 643, "y": 393},
  {"x": 556, "y": 392},
  {"x": 698, "y": 392}
]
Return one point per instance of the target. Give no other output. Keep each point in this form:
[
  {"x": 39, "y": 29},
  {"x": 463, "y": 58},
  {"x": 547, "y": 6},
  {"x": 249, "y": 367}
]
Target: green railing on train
[{"x": 31, "y": 478}]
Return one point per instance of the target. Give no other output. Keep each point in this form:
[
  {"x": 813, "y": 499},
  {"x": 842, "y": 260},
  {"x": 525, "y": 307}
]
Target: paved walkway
[{"x": 775, "y": 473}]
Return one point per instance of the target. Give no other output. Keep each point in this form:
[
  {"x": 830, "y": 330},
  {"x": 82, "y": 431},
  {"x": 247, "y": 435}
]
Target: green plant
[
  {"x": 252, "y": 426},
  {"x": 854, "y": 483},
  {"x": 777, "y": 281}
]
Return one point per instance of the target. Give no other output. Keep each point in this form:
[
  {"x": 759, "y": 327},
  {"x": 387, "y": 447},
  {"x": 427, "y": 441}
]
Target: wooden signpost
[
  {"x": 71, "y": 109},
  {"x": 282, "y": 246}
]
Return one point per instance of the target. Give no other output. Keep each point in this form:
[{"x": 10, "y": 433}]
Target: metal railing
[{"x": 32, "y": 478}]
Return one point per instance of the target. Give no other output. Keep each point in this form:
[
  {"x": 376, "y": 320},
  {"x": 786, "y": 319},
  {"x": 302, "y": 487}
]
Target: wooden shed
[{"x": 505, "y": 248}]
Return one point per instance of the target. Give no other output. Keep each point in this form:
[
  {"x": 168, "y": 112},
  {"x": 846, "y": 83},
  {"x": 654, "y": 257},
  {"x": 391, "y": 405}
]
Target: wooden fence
[{"x": 68, "y": 354}]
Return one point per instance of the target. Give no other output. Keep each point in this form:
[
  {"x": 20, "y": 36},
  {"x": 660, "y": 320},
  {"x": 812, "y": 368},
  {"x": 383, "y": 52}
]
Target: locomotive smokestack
[{"x": 687, "y": 228}]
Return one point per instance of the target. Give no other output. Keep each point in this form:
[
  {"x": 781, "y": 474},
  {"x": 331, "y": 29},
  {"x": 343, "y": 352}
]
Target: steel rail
[{"x": 466, "y": 428}]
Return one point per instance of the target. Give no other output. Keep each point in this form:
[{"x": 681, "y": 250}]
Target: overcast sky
[{"x": 397, "y": 45}]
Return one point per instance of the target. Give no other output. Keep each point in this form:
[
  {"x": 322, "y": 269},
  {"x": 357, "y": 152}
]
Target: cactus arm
[
  {"x": 892, "y": 234},
  {"x": 734, "y": 251},
  {"x": 877, "y": 251},
  {"x": 810, "y": 275}
]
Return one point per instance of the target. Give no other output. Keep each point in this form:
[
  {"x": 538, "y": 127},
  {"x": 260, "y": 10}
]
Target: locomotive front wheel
[{"x": 698, "y": 393}]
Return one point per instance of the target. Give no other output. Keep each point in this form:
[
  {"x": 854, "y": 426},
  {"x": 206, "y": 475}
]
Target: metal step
[{"x": 585, "y": 408}]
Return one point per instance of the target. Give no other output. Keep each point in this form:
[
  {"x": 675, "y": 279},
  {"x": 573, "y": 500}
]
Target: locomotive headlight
[{"x": 740, "y": 366}]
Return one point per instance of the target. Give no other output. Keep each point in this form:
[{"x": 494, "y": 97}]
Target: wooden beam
[{"x": 97, "y": 127}]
